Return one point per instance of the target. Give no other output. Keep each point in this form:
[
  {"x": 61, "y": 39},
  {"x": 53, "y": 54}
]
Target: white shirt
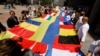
[
  {"x": 63, "y": 14},
  {"x": 78, "y": 23},
  {"x": 33, "y": 8},
  {"x": 73, "y": 16},
  {"x": 82, "y": 32},
  {"x": 31, "y": 14},
  {"x": 63, "y": 8},
  {"x": 93, "y": 45},
  {"x": 68, "y": 17}
]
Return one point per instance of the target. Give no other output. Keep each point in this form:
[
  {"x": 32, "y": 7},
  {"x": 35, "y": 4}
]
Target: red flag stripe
[{"x": 70, "y": 47}]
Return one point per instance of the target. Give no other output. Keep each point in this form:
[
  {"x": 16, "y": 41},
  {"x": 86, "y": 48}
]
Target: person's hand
[{"x": 81, "y": 43}]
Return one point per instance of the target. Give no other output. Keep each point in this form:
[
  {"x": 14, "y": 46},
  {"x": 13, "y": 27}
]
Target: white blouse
[{"x": 82, "y": 32}]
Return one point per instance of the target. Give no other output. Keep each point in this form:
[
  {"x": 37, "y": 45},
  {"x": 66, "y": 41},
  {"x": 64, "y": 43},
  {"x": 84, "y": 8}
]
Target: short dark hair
[
  {"x": 23, "y": 12},
  {"x": 10, "y": 47},
  {"x": 12, "y": 11}
]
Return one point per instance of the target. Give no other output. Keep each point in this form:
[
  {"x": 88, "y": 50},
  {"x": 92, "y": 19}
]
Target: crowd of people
[
  {"x": 9, "y": 47},
  {"x": 80, "y": 20},
  {"x": 30, "y": 13}
]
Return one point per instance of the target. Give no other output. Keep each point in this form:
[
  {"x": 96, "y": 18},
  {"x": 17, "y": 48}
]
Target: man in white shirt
[
  {"x": 82, "y": 32},
  {"x": 79, "y": 22},
  {"x": 73, "y": 15},
  {"x": 94, "y": 49}
]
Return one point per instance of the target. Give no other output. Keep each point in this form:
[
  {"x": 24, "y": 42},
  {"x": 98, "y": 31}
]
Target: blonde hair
[{"x": 85, "y": 18}]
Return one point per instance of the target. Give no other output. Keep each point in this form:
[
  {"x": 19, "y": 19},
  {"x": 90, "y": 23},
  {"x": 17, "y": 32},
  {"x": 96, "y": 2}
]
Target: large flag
[
  {"x": 27, "y": 30},
  {"x": 52, "y": 14},
  {"x": 47, "y": 17},
  {"x": 45, "y": 38},
  {"x": 36, "y": 47},
  {"x": 6, "y": 34},
  {"x": 60, "y": 49},
  {"x": 20, "y": 31},
  {"x": 67, "y": 30},
  {"x": 41, "y": 31},
  {"x": 67, "y": 42}
]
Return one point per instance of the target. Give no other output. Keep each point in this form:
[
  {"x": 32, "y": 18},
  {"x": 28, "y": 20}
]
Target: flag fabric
[
  {"x": 40, "y": 48},
  {"x": 25, "y": 43},
  {"x": 61, "y": 18},
  {"x": 30, "y": 30},
  {"x": 29, "y": 26},
  {"x": 33, "y": 22},
  {"x": 45, "y": 38},
  {"x": 36, "y": 47},
  {"x": 24, "y": 33},
  {"x": 47, "y": 17},
  {"x": 52, "y": 14},
  {"x": 67, "y": 26},
  {"x": 69, "y": 39},
  {"x": 64, "y": 49},
  {"x": 26, "y": 29},
  {"x": 67, "y": 42},
  {"x": 6, "y": 34},
  {"x": 67, "y": 32},
  {"x": 40, "y": 32},
  {"x": 52, "y": 31},
  {"x": 70, "y": 47}
]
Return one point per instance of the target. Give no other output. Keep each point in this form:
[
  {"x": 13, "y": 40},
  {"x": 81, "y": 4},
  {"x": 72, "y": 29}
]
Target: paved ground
[{"x": 4, "y": 14}]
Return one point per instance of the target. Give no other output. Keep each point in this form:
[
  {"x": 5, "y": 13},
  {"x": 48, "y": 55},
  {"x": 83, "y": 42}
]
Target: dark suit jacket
[
  {"x": 2, "y": 27},
  {"x": 12, "y": 21}
]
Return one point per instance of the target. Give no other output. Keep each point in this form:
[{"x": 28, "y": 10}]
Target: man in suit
[
  {"x": 2, "y": 28},
  {"x": 12, "y": 20}
]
